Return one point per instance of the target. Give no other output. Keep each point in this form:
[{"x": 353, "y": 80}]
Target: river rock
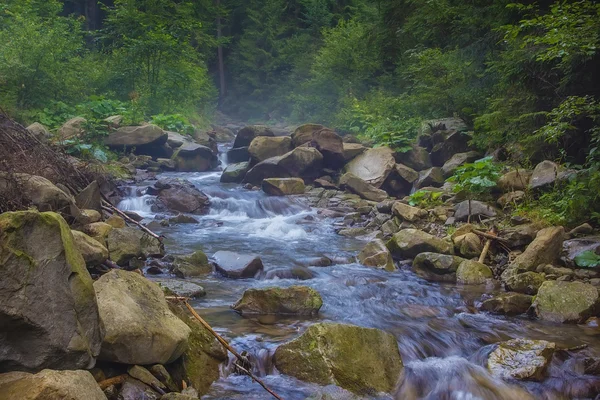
[
  {"x": 143, "y": 375},
  {"x": 511, "y": 199},
  {"x": 329, "y": 143},
  {"x": 90, "y": 197},
  {"x": 302, "y": 162},
  {"x": 147, "y": 139},
  {"x": 283, "y": 186},
  {"x": 362, "y": 188},
  {"x": 508, "y": 303},
  {"x": 408, "y": 213},
  {"x": 521, "y": 359},
  {"x": 471, "y": 272},
  {"x": 293, "y": 300},
  {"x": 50, "y": 315},
  {"x": 222, "y": 134},
  {"x": 298, "y": 272},
  {"x": 409, "y": 242},
  {"x": 304, "y": 133},
  {"x": 246, "y": 135},
  {"x": 430, "y": 177},
  {"x": 133, "y": 389},
  {"x": 182, "y": 196},
  {"x": 526, "y": 282},
  {"x": 417, "y": 158},
  {"x": 183, "y": 288},
  {"x": 199, "y": 364},
  {"x": 98, "y": 231},
  {"x": 468, "y": 245},
  {"x": 73, "y": 128},
  {"x": 140, "y": 329},
  {"x": 352, "y": 150},
  {"x": 343, "y": 355},
  {"x": 478, "y": 209},
  {"x": 453, "y": 142},
  {"x": 375, "y": 254},
  {"x": 457, "y": 160},
  {"x": 263, "y": 147},
  {"x": 436, "y": 267},
  {"x": 238, "y": 155},
  {"x": 93, "y": 252},
  {"x": 176, "y": 140},
  {"x": 207, "y": 139},
  {"x": 50, "y": 385},
  {"x": 234, "y": 265},
  {"x": 521, "y": 235},
  {"x": 373, "y": 166},
  {"x": 235, "y": 173},
  {"x": 544, "y": 174},
  {"x": 515, "y": 180},
  {"x": 545, "y": 249},
  {"x": 127, "y": 243},
  {"x": 193, "y": 157},
  {"x": 192, "y": 265},
  {"x": 559, "y": 301}
]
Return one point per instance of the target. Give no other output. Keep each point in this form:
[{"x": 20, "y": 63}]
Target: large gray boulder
[
  {"x": 517, "y": 179},
  {"x": 373, "y": 166},
  {"x": 408, "y": 243},
  {"x": 50, "y": 385},
  {"x": 478, "y": 209},
  {"x": 73, "y": 128},
  {"x": 126, "y": 243},
  {"x": 457, "y": 160},
  {"x": 181, "y": 196},
  {"x": 140, "y": 328},
  {"x": 545, "y": 249},
  {"x": 356, "y": 185},
  {"x": 48, "y": 309},
  {"x": 558, "y": 301},
  {"x": 325, "y": 140},
  {"x": 146, "y": 139},
  {"x": 508, "y": 303},
  {"x": 263, "y": 147},
  {"x": 193, "y": 157},
  {"x": 471, "y": 272},
  {"x": 293, "y": 300},
  {"x": 302, "y": 162},
  {"x": 417, "y": 158},
  {"x": 431, "y": 177},
  {"x": 362, "y": 360},
  {"x": 546, "y": 173},
  {"x": 93, "y": 252},
  {"x": 234, "y": 265}
]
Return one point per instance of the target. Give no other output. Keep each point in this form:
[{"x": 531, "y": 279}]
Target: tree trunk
[{"x": 220, "y": 56}]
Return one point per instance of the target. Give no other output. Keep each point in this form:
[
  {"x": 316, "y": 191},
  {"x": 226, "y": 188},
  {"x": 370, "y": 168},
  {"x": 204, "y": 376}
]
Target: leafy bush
[
  {"x": 425, "y": 199},
  {"x": 173, "y": 122}
]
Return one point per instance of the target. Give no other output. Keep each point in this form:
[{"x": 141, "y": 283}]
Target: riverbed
[{"x": 443, "y": 338}]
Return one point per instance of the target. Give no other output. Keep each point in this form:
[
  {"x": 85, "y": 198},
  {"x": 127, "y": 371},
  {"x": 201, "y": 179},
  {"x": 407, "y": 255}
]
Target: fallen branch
[
  {"x": 106, "y": 206},
  {"x": 491, "y": 235},
  {"x": 243, "y": 360}
]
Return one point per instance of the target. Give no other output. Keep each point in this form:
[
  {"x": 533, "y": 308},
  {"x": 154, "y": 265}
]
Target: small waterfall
[{"x": 139, "y": 203}]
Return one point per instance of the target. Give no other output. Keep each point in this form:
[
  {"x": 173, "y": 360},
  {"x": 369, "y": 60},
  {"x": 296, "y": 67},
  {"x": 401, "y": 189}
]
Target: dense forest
[{"x": 523, "y": 76}]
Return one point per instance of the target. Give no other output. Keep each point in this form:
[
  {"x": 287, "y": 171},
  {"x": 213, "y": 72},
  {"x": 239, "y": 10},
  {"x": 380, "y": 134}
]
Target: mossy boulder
[
  {"x": 468, "y": 245},
  {"x": 98, "y": 231},
  {"x": 50, "y": 385},
  {"x": 471, "y": 272},
  {"x": 361, "y": 360},
  {"x": 375, "y": 254},
  {"x": 283, "y": 186},
  {"x": 127, "y": 243},
  {"x": 193, "y": 157},
  {"x": 293, "y": 300},
  {"x": 93, "y": 252},
  {"x": 436, "y": 267},
  {"x": 48, "y": 308},
  {"x": 373, "y": 166},
  {"x": 559, "y": 301},
  {"x": 199, "y": 364},
  {"x": 192, "y": 265},
  {"x": 140, "y": 329},
  {"x": 508, "y": 303},
  {"x": 526, "y": 282},
  {"x": 408, "y": 243},
  {"x": 235, "y": 173},
  {"x": 521, "y": 359}
]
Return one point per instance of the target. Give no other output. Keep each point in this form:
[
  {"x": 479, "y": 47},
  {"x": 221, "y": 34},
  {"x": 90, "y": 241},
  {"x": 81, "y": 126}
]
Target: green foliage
[
  {"x": 588, "y": 259},
  {"x": 425, "y": 199},
  {"x": 476, "y": 179},
  {"x": 173, "y": 122}
]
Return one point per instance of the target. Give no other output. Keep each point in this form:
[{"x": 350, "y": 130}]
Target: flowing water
[{"x": 443, "y": 339}]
